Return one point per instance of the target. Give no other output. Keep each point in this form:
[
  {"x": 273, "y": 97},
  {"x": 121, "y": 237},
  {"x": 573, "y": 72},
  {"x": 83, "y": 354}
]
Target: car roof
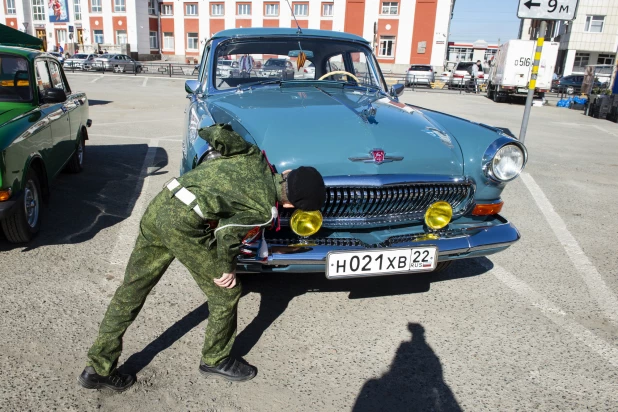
[
  {"x": 21, "y": 51},
  {"x": 282, "y": 31}
]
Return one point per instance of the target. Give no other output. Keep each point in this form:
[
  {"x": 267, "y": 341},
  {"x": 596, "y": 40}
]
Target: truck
[{"x": 509, "y": 74}]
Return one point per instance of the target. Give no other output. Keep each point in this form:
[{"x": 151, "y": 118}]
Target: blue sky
[{"x": 487, "y": 20}]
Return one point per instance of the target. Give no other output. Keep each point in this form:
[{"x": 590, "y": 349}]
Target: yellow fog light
[
  {"x": 438, "y": 215},
  {"x": 306, "y": 223}
]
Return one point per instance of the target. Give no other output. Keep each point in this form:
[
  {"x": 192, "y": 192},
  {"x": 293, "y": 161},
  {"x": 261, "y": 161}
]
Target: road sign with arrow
[{"x": 547, "y": 9}]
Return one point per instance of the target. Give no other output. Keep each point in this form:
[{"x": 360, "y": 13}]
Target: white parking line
[
  {"x": 141, "y": 121},
  {"x": 126, "y": 235},
  {"x": 129, "y": 76},
  {"x": 173, "y": 138},
  {"x": 96, "y": 80},
  {"x": 596, "y": 285},
  {"x": 557, "y": 315},
  {"x": 145, "y": 82}
]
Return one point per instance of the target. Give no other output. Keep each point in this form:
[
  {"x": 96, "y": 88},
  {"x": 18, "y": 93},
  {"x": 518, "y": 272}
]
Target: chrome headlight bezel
[{"x": 493, "y": 150}]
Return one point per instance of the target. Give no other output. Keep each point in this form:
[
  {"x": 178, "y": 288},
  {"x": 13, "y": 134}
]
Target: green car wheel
[{"x": 25, "y": 222}]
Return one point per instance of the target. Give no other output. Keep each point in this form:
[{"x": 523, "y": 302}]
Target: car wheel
[
  {"x": 496, "y": 97},
  {"x": 25, "y": 222},
  {"x": 138, "y": 69},
  {"x": 76, "y": 164}
]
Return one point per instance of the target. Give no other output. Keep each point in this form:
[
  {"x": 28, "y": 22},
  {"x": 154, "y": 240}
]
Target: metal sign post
[{"x": 541, "y": 10}]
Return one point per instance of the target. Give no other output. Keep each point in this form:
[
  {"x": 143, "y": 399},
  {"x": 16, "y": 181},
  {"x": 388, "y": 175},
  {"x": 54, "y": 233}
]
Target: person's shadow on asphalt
[
  {"x": 414, "y": 381},
  {"x": 277, "y": 290}
]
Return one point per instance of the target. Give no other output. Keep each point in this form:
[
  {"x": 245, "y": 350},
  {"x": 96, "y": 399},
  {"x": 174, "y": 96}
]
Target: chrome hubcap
[{"x": 31, "y": 204}]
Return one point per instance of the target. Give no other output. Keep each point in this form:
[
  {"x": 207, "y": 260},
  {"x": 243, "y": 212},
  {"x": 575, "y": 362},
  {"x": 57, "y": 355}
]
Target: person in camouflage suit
[{"x": 200, "y": 219}]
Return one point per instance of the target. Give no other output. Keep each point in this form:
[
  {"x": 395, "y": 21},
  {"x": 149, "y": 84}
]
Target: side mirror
[
  {"x": 191, "y": 86},
  {"x": 53, "y": 95},
  {"x": 397, "y": 90}
]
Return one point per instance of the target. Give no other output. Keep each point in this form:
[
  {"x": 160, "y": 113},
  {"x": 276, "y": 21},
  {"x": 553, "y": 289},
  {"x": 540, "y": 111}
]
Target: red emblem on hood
[{"x": 378, "y": 155}]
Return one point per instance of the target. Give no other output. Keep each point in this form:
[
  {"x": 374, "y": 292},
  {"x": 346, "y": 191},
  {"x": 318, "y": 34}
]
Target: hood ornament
[{"x": 377, "y": 156}]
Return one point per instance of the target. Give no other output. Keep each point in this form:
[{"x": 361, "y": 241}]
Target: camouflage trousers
[{"x": 168, "y": 230}]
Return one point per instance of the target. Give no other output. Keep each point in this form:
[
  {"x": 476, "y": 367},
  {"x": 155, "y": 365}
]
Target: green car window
[
  {"x": 14, "y": 79},
  {"x": 42, "y": 75}
]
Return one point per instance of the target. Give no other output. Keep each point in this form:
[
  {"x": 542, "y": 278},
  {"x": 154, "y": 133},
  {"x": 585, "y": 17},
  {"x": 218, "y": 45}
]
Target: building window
[
  {"x": 151, "y": 7},
  {"x": 463, "y": 54},
  {"x": 121, "y": 37},
  {"x": 95, "y": 6},
  {"x": 594, "y": 24},
  {"x": 192, "y": 41},
  {"x": 387, "y": 46},
  {"x": 98, "y": 36},
  {"x": 190, "y": 9},
  {"x": 489, "y": 53},
  {"x": 244, "y": 9},
  {"x": 605, "y": 59},
  {"x": 168, "y": 41},
  {"x": 120, "y": 6},
  {"x": 167, "y": 10},
  {"x": 327, "y": 10},
  {"x": 61, "y": 36},
  {"x": 77, "y": 9},
  {"x": 390, "y": 7},
  {"x": 216, "y": 9},
  {"x": 301, "y": 9},
  {"x": 154, "y": 40},
  {"x": 10, "y": 7},
  {"x": 581, "y": 61},
  {"x": 38, "y": 10},
  {"x": 272, "y": 10}
]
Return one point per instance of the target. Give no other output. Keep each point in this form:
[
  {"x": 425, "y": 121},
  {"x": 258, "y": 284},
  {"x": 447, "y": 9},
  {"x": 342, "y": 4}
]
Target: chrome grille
[{"x": 367, "y": 205}]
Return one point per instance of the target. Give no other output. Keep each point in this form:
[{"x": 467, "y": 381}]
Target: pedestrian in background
[{"x": 201, "y": 219}]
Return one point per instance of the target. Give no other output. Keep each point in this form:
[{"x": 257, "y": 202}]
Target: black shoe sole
[
  {"x": 227, "y": 378},
  {"x": 90, "y": 385}
]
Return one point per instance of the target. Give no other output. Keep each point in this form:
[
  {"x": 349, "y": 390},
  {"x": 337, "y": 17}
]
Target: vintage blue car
[{"x": 408, "y": 189}]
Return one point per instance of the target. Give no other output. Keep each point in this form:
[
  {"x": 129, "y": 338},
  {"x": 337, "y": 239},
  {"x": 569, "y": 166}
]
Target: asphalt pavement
[{"x": 532, "y": 328}]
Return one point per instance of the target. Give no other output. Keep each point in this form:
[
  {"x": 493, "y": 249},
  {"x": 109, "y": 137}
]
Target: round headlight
[
  {"x": 306, "y": 223},
  {"x": 438, "y": 215},
  {"x": 508, "y": 162}
]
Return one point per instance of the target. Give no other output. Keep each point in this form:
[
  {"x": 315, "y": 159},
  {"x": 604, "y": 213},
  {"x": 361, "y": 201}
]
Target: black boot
[
  {"x": 117, "y": 382},
  {"x": 230, "y": 369}
]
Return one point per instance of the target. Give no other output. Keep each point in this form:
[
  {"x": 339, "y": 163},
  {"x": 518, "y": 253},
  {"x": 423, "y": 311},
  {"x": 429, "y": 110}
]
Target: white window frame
[
  {"x": 154, "y": 45},
  {"x": 391, "y": 6},
  {"x": 94, "y": 36},
  {"x": 301, "y": 9},
  {"x": 195, "y": 39},
  {"x": 96, "y": 6},
  {"x": 605, "y": 57},
  {"x": 167, "y": 10},
  {"x": 590, "y": 20},
  {"x": 382, "y": 46},
  {"x": 77, "y": 9},
  {"x": 243, "y": 9},
  {"x": 217, "y": 7},
  {"x": 329, "y": 7},
  {"x": 38, "y": 10},
  {"x": 581, "y": 59},
  {"x": 191, "y": 9},
  {"x": 61, "y": 36},
  {"x": 167, "y": 40},
  {"x": 274, "y": 10},
  {"x": 119, "y": 39},
  {"x": 10, "y": 7},
  {"x": 152, "y": 10},
  {"x": 120, "y": 6}
]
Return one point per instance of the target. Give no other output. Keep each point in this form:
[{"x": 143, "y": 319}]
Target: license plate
[{"x": 380, "y": 262}]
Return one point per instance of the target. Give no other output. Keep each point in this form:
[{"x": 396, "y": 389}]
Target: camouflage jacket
[{"x": 237, "y": 190}]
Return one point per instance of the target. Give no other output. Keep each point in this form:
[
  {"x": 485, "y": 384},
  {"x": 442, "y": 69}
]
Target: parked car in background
[
  {"x": 79, "y": 61},
  {"x": 407, "y": 189},
  {"x": 42, "y": 131},
  {"x": 573, "y": 84},
  {"x": 462, "y": 73},
  {"x": 278, "y": 68},
  {"x": 58, "y": 56},
  {"x": 309, "y": 71},
  {"x": 227, "y": 68},
  {"x": 117, "y": 62},
  {"x": 420, "y": 74}
]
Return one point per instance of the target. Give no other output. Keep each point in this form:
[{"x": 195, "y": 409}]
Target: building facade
[
  {"x": 468, "y": 52},
  {"x": 590, "y": 39},
  {"x": 402, "y": 32}
]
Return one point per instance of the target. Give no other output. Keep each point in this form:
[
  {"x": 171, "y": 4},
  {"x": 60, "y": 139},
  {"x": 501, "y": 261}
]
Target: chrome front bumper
[{"x": 462, "y": 243}]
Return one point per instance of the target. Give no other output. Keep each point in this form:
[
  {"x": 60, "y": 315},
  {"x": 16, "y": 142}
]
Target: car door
[
  {"x": 59, "y": 120},
  {"x": 73, "y": 102}
]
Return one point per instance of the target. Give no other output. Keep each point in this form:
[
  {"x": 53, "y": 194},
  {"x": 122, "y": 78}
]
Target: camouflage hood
[{"x": 224, "y": 140}]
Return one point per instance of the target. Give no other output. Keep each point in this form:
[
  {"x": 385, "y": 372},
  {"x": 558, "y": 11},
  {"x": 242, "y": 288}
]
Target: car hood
[
  {"x": 326, "y": 127},
  {"x": 9, "y": 111}
]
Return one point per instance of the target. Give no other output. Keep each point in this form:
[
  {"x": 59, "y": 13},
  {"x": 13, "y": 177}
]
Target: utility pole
[{"x": 533, "y": 76}]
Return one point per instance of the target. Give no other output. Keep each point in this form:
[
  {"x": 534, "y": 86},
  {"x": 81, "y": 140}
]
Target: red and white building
[{"x": 403, "y": 32}]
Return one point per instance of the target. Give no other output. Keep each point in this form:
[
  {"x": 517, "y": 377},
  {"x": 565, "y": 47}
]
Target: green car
[{"x": 42, "y": 132}]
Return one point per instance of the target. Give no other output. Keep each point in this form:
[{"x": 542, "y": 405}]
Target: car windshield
[
  {"x": 269, "y": 60},
  {"x": 14, "y": 79},
  {"x": 420, "y": 68}
]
